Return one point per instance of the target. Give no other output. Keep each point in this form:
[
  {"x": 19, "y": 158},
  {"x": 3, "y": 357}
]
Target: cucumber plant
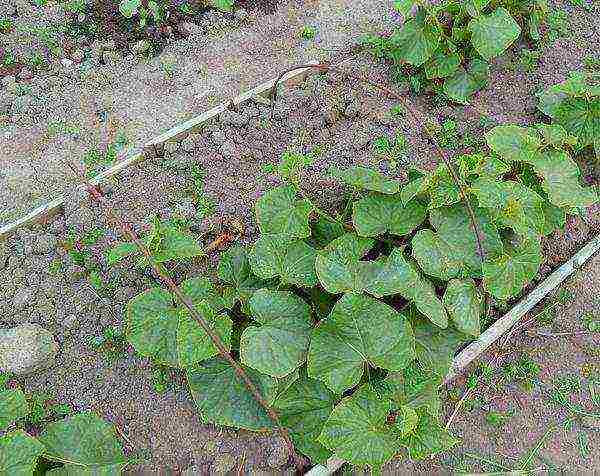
[
  {"x": 347, "y": 323},
  {"x": 446, "y": 46}
]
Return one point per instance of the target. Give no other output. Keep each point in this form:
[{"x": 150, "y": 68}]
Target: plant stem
[{"x": 97, "y": 195}]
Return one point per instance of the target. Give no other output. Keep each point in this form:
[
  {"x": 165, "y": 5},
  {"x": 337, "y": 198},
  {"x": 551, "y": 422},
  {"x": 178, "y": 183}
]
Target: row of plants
[{"x": 445, "y": 47}]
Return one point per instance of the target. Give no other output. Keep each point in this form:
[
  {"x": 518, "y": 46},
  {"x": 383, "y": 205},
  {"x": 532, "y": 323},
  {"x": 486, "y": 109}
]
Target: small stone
[
  {"x": 45, "y": 244},
  {"x": 26, "y": 349},
  {"x": 172, "y": 146},
  {"x": 279, "y": 455},
  {"x": 70, "y": 322},
  {"x": 107, "y": 45},
  {"x": 217, "y": 135},
  {"x": 329, "y": 117},
  {"x": 141, "y": 47},
  {"x": 186, "y": 209},
  {"x": 66, "y": 62},
  {"x": 26, "y": 74},
  {"x": 6, "y": 102},
  {"x": 235, "y": 119},
  {"x": 78, "y": 56},
  {"x": 241, "y": 14},
  {"x": 81, "y": 18},
  {"x": 24, "y": 297},
  {"x": 353, "y": 109},
  {"x": 112, "y": 58},
  {"x": 7, "y": 80},
  {"x": 223, "y": 463}
]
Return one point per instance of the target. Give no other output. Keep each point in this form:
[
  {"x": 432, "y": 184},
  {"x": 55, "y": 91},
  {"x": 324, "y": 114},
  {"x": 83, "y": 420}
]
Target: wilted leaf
[
  {"x": 463, "y": 303},
  {"x": 304, "y": 408},
  {"x": 360, "y": 330},
  {"x": 279, "y": 213},
  {"x": 492, "y": 34},
  {"x": 160, "y": 328},
  {"x": 358, "y": 431},
  {"x": 376, "y": 214},
  {"x": 222, "y": 397},
  {"x": 13, "y": 406},
  {"x": 291, "y": 261},
  {"x": 364, "y": 178},
  {"x": 279, "y": 344},
  {"x": 19, "y": 453},
  {"x": 85, "y": 440}
]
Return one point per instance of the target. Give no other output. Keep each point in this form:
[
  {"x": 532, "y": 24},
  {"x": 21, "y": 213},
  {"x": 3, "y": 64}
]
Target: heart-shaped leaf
[
  {"x": 463, "y": 303},
  {"x": 506, "y": 275},
  {"x": 163, "y": 330},
  {"x": 452, "y": 251},
  {"x": 13, "y": 406},
  {"x": 279, "y": 213},
  {"x": 291, "y": 261},
  {"x": 358, "y": 430},
  {"x": 304, "y": 408},
  {"x": 222, "y": 397},
  {"x": 428, "y": 438},
  {"x": 514, "y": 143},
  {"x": 279, "y": 345},
  {"x": 363, "y": 178},
  {"x": 360, "y": 330},
  {"x": 492, "y": 34},
  {"x": 19, "y": 453},
  {"x": 415, "y": 43},
  {"x": 87, "y": 441},
  {"x": 376, "y": 214}
]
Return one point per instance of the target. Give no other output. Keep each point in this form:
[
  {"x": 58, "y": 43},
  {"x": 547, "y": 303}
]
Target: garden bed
[{"x": 222, "y": 164}]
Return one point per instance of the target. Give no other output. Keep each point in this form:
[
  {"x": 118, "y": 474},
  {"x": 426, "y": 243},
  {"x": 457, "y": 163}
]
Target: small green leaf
[
  {"x": 358, "y": 431},
  {"x": 428, "y": 438},
  {"x": 13, "y": 406},
  {"x": 376, "y": 214},
  {"x": 464, "y": 83},
  {"x": 175, "y": 244},
  {"x": 291, "y": 261},
  {"x": 128, "y": 8},
  {"x": 360, "y": 330},
  {"x": 19, "y": 453},
  {"x": 479, "y": 165},
  {"x": 364, "y": 178},
  {"x": 406, "y": 420},
  {"x": 507, "y": 274},
  {"x": 279, "y": 345},
  {"x": 404, "y": 6},
  {"x": 223, "y": 5},
  {"x": 463, "y": 303},
  {"x": 492, "y": 34},
  {"x": 304, "y": 408},
  {"x": 279, "y": 213},
  {"x": 223, "y": 398},
  {"x": 415, "y": 43},
  {"x": 119, "y": 252},
  {"x": 163, "y": 330},
  {"x": 475, "y": 7},
  {"x": 87, "y": 441}
]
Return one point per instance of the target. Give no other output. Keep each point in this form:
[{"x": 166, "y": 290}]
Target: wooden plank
[{"x": 493, "y": 333}]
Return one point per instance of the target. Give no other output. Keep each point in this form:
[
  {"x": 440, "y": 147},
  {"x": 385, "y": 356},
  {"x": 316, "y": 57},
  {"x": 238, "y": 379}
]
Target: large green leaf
[
  {"x": 464, "y": 305},
  {"x": 19, "y": 453},
  {"x": 507, "y": 274},
  {"x": 364, "y": 178},
  {"x": 279, "y": 344},
  {"x": 376, "y": 214},
  {"x": 428, "y": 438},
  {"x": 87, "y": 442},
  {"x": 279, "y": 213},
  {"x": 304, "y": 408},
  {"x": 160, "y": 328},
  {"x": 415, "y": 42},
  {"x": 222, "y": 397},
  {"x": 514, "y": 143},
  {"x": 324, "y": 231},
  {"x": 442, "y": 65},
  {"x": 234, "y": 270},
  {"x": 404, "y": 6},
  {"x": 452, "y": 251},
  {"x": 360, "y": 330},
  {"x": 291, "y": 261},
  {"x": 358, "y": 430},
  {"x": 492, "y": 34},
  {"x": 13, "y": 406},
  {"x": 511, "y": 205}
]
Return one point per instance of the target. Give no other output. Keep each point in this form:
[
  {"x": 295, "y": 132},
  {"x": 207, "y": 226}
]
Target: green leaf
[
  {"x": 507, "y": 274},
  {"x": 279, "y": 345},
  {"x": 492, "y": 34},
  {"x": 452, "y": 251},
  {"x": 84, "y": 440},
  {"x": 428, "y": 438},
  {"x": 511, "y": 205},
  {"x": 404, "y": 6},
  {"x": 513, "y": 143},
  {"x": 174, "y": 244},
  {"x": 442, "y": 65},
  {"x": 406, "y": 420},
  {"x": 418, "y": 185},
  {"x": 415, "y": 43},
  {"x": 128, "y": 8},
  {"x": 19, "y": 453},
  {"x": 479, "y": 165},
  {"x": 376, "y": 214},
  {"x": 223, "y": 5},
  {"x": 358, "y": 432},
  {"x": 119, "y": 252},
  {"x": 475, "y": 7},
  {"x": 364, "y": 178},
  {"x": 555, "y": 135},
  {"x": 13, "y": 406},
  {"x": 291, "y": 261},
  {"x": 234, "y": 269},
  {"x": 464, "y": 83},
  {"x": 304, "y": 408},
  {"x": 223, "y": 399},
  {"x": 397, "y": 276},
  {"x": 360, "y": 330},
  {"x": 279, "y": 213},
  {"x": 162, "y": 329},
  {"x": 555, "y": 218},
  {"x": 464, "y": 305},
  {"x": 324, "y": 231}
]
